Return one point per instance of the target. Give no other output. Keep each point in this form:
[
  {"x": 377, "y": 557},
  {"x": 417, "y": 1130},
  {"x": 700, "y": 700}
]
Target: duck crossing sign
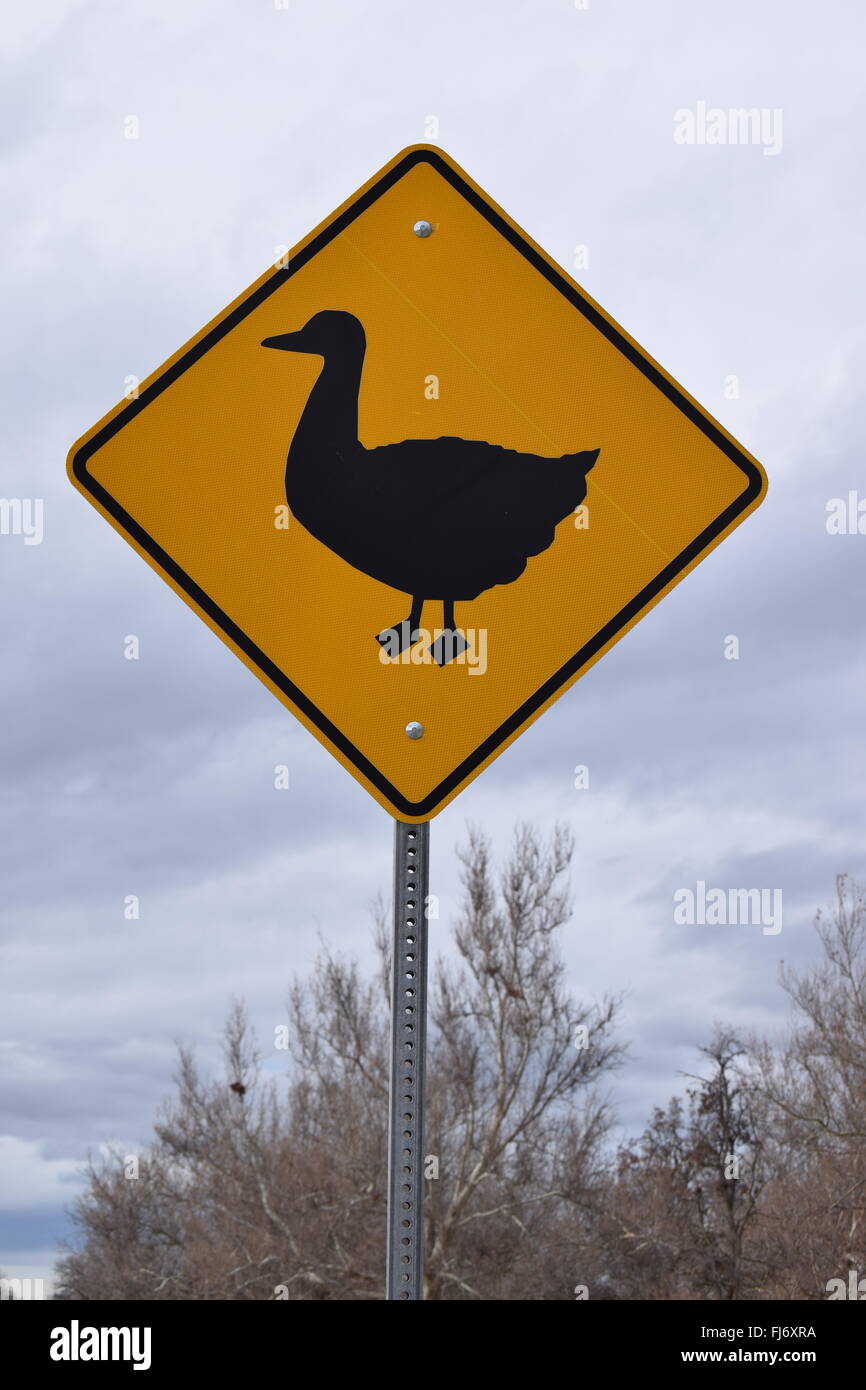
[{"x": 417, "y": 480}]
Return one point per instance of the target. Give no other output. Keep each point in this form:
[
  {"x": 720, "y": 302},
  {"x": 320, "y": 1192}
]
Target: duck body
[
  {"x": 442, "y": 518},
  {"x": 446, "y": 518}
]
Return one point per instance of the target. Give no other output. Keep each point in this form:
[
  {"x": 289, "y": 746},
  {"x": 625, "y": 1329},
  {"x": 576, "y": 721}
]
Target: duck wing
[{"x": 450, "y": 517}]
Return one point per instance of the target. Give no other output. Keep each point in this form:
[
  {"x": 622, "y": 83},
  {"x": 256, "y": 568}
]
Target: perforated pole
[{"x": 405, "y": 1271}]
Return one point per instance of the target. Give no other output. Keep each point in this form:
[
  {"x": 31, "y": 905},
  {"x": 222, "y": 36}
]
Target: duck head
[{"x": 330, "y": 332}]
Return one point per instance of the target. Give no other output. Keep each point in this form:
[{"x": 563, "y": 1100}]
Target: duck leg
[
  {"x": 450, "y": 642},
  {"x": 402, "y": 635}
]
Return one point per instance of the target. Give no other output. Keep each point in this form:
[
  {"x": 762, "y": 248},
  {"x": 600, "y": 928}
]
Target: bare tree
[
  {"x": 815, "y": 1084},
  {"x": 681, "y": 1220},
  {"x": 250, "y": 1190},
  {"x": 680, "y": 1213},
  {"x": 819, "y": 1079},
  {"x": 515, "y": 1116}
]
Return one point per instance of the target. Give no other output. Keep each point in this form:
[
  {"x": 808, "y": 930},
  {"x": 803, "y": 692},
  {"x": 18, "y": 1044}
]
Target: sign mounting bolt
[
  {"x": 414, "y": 729},
  {"x": 423, "y": 228}
]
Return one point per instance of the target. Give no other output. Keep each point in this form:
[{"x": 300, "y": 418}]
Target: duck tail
[
  {"x": 585, "y": 460},
  {"x": 567, "y": 482}
]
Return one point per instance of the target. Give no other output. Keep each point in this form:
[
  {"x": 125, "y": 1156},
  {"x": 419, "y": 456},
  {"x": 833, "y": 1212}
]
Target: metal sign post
[{"x": 405, "y": 1265}]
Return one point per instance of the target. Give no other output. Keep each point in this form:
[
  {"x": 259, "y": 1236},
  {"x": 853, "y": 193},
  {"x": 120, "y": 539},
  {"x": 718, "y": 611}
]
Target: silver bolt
[
  {"x": 423, "y": 228},
  {"x": 414, "y": 729}
]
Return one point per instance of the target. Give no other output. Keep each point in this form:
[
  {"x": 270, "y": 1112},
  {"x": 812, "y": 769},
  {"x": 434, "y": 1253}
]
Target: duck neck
[{"x": 330, "y": 419}]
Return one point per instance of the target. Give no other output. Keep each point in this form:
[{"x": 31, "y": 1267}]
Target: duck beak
[{"x": 289, "y": 342}]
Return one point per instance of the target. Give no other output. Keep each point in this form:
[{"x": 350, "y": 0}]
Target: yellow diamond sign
[{"x": 417, "y": 480}]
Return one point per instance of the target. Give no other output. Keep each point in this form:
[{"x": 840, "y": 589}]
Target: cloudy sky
[{"x": 155, "y": 777}]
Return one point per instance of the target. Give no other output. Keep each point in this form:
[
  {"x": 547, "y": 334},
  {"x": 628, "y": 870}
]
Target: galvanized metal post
[{"x": 405, "y": 1268}]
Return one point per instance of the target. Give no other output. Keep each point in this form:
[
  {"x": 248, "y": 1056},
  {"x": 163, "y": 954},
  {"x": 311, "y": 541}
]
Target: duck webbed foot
[
  {"x": 449, "y": 644},
  {"x": 398, "y": 638}
]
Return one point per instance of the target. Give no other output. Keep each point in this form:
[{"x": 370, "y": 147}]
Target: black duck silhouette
[{"x": 440, "y": 519}]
